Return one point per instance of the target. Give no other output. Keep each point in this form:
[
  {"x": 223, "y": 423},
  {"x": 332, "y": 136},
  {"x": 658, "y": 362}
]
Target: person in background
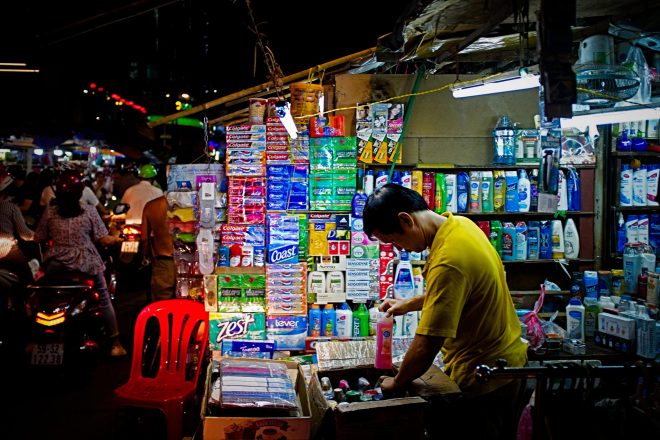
[
  {"x": 74, "y": 228},
  {"x": 27, "y": 199},
  {"x": 13, "y": 228},
  {"x": 138, "y": 195},
  {"x": 467, "y": 310},
  {"x": 158, "y": 248},
  {"x": 122, "y": 179},
  {"x": 87, "y": 197}
]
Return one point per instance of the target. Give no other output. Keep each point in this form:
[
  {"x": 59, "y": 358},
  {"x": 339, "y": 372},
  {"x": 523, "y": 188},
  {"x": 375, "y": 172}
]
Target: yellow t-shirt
[{"x": 469, "y": 304}]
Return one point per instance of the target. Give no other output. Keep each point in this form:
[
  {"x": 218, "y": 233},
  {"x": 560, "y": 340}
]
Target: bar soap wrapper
[
  {"x": 334, "y": 355},
  {"x": 250, "y": 384}
]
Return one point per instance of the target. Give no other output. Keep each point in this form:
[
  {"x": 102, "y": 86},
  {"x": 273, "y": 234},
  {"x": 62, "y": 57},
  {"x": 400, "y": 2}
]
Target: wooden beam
[
  {"x": 261, "y": 87},
  {"x": 500, "y": 10}
]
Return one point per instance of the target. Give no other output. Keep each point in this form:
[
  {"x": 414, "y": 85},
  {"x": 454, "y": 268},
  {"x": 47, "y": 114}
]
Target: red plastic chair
[{"x": 183, "y": 325}]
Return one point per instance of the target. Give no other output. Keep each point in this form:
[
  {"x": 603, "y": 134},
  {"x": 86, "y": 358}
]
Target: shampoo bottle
[
  {"x": 462, "y": 191},
  {"x": 475, "y": 191},
  {"x": 344, "y": 321},
  {"x": 625, "y": 186},
  {"x": 487, "y": 191},
  {"x": 499, "y": 190},
  {"x": 524, "y": 192},
  {"x": 404, "y": 283},
  {"x": 511, "y": 197},
  {"x": 545, "y": 240},
  {"x": 314, "y": 321},
  {"x": 533, "y": 238},
  {"x": 384, "y": 342},
  {"x": 359, "y": 198},
  {"x": 652, "y": 175},
  {"x": 374, "y": 315},
  {"x": 571, "y": 240},
  {"x": 562, "y": 204},
  {"x": 557, "y": 240},
  {"x": 450, "y": 184},
  {"x": 328, "y": 321},
  {"x": 639, "y": 186},
  {"x": 521, "y": 241}
]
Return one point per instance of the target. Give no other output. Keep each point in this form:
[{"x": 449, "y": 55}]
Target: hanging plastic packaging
[
  {"x": 204, "y": 243},
  {"x": 574, "y": 190}
]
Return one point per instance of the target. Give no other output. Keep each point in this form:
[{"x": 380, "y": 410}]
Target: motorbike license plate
[
  {"x": 47, "y": 354},
  {"x": 130, "y": 247}
]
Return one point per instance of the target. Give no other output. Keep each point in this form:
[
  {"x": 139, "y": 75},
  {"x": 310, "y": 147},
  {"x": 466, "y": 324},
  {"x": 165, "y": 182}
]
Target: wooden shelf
[
  {"x": 635, "y": 153},
  {"x": 522, "y": 214},
  {"x": 563, "y": 260},
  {"x": 549, "y": 314},
  {"x": 635, "y": 208},
  {"x": 456, "y": 167},
  {"x": 538, "y": 292}
]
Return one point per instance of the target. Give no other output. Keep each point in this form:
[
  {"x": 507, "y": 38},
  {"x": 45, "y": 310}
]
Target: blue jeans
[{"x": 112, "y": 330}]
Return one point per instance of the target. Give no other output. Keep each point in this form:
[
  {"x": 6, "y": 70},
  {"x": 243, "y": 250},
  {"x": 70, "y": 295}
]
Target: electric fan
[{"x": 600, "y": 82}]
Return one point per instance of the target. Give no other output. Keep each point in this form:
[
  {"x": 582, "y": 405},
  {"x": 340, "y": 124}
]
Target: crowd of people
[{"x": 69, "y": 208}]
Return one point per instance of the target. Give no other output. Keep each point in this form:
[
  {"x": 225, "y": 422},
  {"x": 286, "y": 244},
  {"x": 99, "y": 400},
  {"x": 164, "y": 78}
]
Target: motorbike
[
  {"x": 129, "y": 254},
  {"x": 64, "y": 321}
]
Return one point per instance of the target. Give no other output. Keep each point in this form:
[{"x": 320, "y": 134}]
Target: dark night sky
[{"x": 192, "y": 46}]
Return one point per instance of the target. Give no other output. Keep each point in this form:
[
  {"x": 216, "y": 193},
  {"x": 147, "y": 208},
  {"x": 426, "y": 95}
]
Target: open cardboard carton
[
  {"x": 392, "y": 418},
  {"x": 263, "y": 427}
]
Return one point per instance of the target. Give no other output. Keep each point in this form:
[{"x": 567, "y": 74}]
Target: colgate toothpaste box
[
  {"x": 223, "y": 326},
  {"x": 288, "y": 331}
]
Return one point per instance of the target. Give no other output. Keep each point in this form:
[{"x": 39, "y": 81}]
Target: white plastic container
[
  {"x": 404, "y": 282},
  {"x": 557, "y": 240},
  {"x": 639, "y": 186},
  {"x": 450, "y": 185},
  {"x": 475, "y": 192},
  {"x": 575, "y": 319},
  {"x": 316, "y": 282},
  {"x": 626, "y": 186},
  {"x": 652, "y": 178},
  {"x": 344, "y": 321},
  {"x": 524, "y": 192},
  {"x": 571, "y": 240},
  {"x": 562, "y": 204},
  {"x": 335, "y": 282}
]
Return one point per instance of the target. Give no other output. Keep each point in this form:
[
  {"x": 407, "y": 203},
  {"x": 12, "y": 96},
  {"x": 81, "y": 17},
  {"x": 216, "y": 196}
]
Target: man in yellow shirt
[{"x": 467, "y": 310}]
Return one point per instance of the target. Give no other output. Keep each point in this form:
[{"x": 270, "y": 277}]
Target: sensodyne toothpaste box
[{"x": 288, "y": 331}]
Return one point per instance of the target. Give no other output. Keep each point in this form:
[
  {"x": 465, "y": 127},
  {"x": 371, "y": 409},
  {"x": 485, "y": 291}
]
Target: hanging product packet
[{"x": 535, "y": 333}]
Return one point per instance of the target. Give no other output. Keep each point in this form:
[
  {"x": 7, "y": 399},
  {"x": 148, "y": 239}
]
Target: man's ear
[{"x": 406, "y": 219}]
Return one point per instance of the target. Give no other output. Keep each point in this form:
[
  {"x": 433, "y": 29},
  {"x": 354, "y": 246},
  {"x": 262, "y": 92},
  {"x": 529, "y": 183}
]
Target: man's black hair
[{"x": 381, "y": 212}]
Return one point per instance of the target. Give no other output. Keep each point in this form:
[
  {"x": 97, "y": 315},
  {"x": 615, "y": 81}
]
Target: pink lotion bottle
[{"x": 384, "y": 342}]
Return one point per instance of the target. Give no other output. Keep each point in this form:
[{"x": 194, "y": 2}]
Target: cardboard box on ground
[
  {"x": 260, "y": 427},
  {"x": 403, "y": 417}
]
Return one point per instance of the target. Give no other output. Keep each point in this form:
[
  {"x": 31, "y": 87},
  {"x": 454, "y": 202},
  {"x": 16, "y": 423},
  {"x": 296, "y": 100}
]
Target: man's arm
[
  {"x": 419, "y": 358},
  {"x": 395, "y": 307}
]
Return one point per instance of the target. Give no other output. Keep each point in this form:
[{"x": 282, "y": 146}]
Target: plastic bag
[
  {"x": 552, "y": 329},
  {"x": 535, "y": 333}
]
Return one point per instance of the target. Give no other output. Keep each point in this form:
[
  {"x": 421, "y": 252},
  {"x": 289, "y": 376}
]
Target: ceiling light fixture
[
  {"x": 611, "y": 116},
  {"x": 13, "y": 64},
  {"x": 20, "y": 70},
  {"x": 506, "y": 82}
]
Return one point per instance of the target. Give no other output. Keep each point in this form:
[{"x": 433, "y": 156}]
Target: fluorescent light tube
[
  {"x": 504, "y": 85},
  {"x": 611, "y": 117}
]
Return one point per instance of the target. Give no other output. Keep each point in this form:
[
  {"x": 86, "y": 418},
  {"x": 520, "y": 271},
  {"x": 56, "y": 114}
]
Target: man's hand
[
  {"x": 394, "y": 307},
  {"x": 389, "y": 385}
]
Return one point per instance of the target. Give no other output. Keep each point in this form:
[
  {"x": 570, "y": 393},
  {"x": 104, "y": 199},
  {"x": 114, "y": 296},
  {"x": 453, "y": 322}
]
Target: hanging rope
[{"x": 274, "y": 70}]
